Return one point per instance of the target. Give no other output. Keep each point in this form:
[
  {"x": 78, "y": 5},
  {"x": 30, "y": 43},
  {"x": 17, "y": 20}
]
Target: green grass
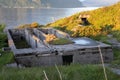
[
  {"x": 72, "y": 72},
  {"x": 101, "y": 38},
  {"x": 61, "y": 41},
  {"x": 116, "y": 34},
  {"x": 2, "y": 26},
  {"x": 21, "y": 44},
  {"x": 116, "y": 61},
  {"x": 6, "y": 57}
]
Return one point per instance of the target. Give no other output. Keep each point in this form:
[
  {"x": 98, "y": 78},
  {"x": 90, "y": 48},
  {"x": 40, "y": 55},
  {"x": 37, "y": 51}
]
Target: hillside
[
  {"x": 41, "y": 3},
  {"x": 71, "y": 72},
  {"x": 99, "y": 20}
]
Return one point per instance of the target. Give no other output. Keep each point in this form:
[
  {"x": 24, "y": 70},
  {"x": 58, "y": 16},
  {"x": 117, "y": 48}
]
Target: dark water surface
[{"x": 13, "y": 17}]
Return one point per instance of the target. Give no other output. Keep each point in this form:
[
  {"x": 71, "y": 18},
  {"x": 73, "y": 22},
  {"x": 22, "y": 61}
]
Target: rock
[
  {"x": 6, "y": 49},
  {"x": 14, "y": 65},
  {"x": 117, "y": 71},
  {"x": 110, "y": 35}
]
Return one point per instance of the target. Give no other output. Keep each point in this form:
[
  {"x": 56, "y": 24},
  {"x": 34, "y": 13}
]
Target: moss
[
  {"x": 21, "y": 44},
  {"x": 61, "y": 41}
]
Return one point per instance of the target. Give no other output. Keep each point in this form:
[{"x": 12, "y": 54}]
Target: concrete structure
[
  {"x": 84, "y": 20},
  {"x": 40, "y": 53}
]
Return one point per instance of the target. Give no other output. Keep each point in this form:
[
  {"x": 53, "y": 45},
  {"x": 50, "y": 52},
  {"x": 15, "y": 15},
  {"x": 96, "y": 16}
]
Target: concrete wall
[
  {"x": 15, "y": 32},
  {"x": 40, "y": 60},
  {"x": 39, "y": 34},
  {"x": 92, "y": 56},
  {"x": 58, "y": 33},
  {"x": 82, "y": 56},
  {"x": 33, "y": 39},
  {"x": 10, "y": 41}
]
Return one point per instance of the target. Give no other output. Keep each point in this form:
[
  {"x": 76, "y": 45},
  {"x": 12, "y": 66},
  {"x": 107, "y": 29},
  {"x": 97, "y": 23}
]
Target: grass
[
  {"x": 101, "y": 38},
  {"x": 21, "y": 44},
  {"x": 72, "y": 72},
  {"x": 61, "y": 41},
  {"x": 116, "y": 34},
  {"x": 6, "y": 57},
  {"x": 116, "y": 61}
]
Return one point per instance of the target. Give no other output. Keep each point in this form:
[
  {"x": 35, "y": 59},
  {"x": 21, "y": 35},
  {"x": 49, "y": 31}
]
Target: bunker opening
[{"x": 67, "y": 59}]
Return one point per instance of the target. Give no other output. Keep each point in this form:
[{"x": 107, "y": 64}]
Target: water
[
  {"x": 85, "y": 41},
  {"x": 13, "y": 17}
]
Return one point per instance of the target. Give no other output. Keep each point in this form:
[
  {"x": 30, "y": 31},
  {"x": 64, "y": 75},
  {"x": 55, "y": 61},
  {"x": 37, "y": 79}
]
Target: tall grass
[
  {"x": 6, "y": 57},
  {"x": 116, "y": 61},
  {"x": 72, "y": 72}
]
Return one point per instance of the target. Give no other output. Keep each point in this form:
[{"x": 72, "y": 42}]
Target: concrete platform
[{"x": 40, "y": 53}]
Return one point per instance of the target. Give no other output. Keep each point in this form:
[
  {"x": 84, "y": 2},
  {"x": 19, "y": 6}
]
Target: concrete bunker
[{"x": 41, "y": 53}]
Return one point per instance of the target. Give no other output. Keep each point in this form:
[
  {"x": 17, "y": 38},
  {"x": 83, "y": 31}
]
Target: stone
[{"x": 6, "y": 49}]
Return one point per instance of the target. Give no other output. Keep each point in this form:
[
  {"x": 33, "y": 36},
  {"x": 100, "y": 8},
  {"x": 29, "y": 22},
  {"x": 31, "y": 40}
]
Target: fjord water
[{"x": 13, "y": 17}]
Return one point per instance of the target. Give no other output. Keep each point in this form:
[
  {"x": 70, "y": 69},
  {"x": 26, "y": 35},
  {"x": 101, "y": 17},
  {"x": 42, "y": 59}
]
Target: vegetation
[
  {"x": 21, "y": 44},
  {"x": 72, "y": 72},
  {"x": 116, "y": 34},
  {"x": 60, "y": 41},
  {"x": 102, "y": 21},
  {"x": 98, "y": 29},
  {"x": 116, "y": 62},
  {"x": 32, "y": 25},
  {"x": 50, "y": 37},
  {"x": 6, "y": 57}
]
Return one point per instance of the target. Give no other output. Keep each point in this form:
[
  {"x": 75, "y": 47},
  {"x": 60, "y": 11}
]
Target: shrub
[
  {"x": 2, "y": 26},
  {"x": 34, "y": 25},
  {"x": 50, "y": 37}
]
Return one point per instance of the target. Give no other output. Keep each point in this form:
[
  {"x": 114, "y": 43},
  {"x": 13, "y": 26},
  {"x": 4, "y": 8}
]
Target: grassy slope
[
  {"x": 102, "y": 22},
  {"x": 99, "y": 17},
  {"x": 72, "y": 72},
  {"x": 103, "y": 19}
]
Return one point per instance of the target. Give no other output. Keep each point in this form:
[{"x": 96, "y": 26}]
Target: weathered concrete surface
[
  {"x": 57, "y": 33},
  {"x": 43, "y": 54},
  {"x": 41, "y": 60}
]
